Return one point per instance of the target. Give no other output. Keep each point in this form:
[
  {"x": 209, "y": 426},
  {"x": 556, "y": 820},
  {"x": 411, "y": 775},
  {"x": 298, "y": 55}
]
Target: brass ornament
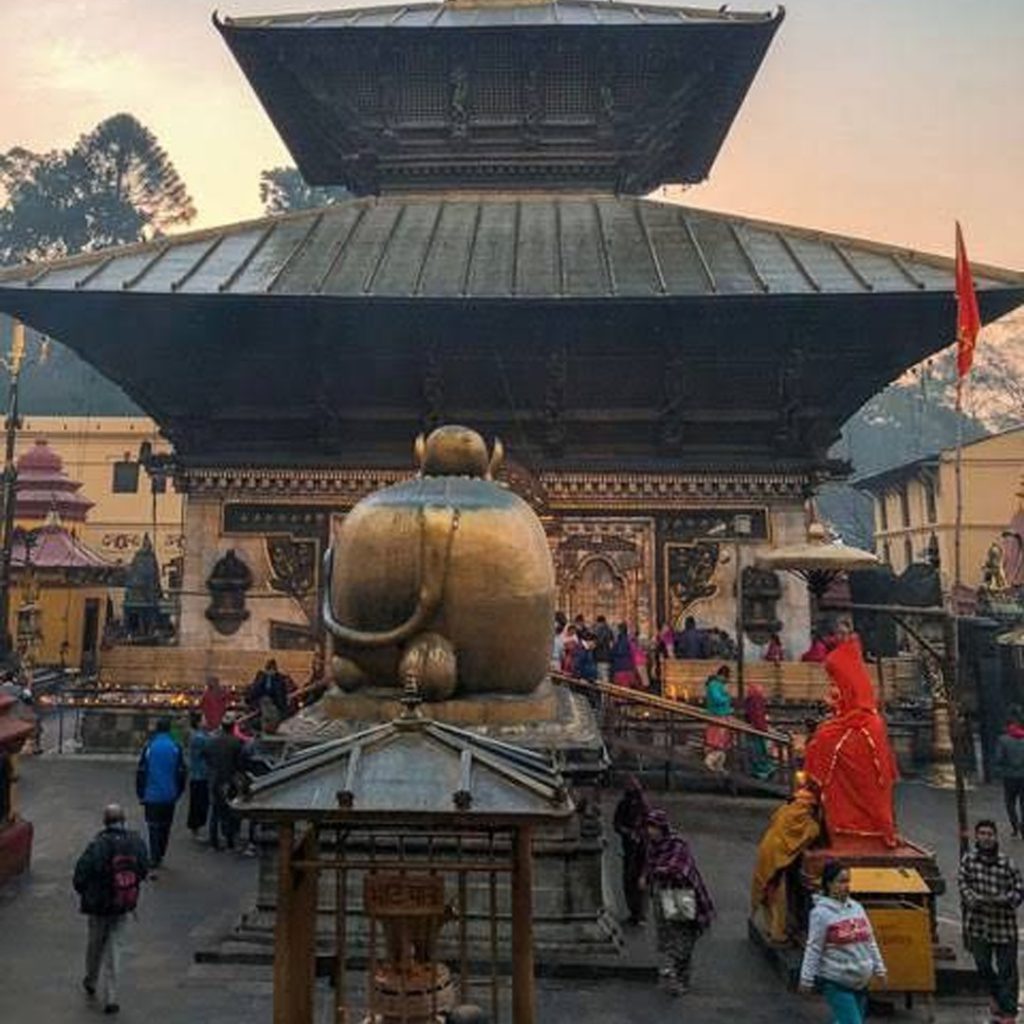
[{"x": 445, "y": 578}]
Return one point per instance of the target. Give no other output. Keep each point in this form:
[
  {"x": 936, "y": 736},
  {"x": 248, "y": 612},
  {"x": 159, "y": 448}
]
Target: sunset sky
[{"x": 884, "y": 119}]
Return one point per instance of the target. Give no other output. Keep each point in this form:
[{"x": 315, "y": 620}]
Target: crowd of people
[
  {"x": 849, "y": 777},
  {"x": 599, "y": 652},
  {"x": 660, "y": 873},
  {"x": 659, "y": 870},
  {"x": 210, "y": 763}
]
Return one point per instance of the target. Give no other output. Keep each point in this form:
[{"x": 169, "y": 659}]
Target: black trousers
[
  {"x": 159, "y": 818},
  {"x": 223, "y": 821},
  {"x": 198, "y": 804},
  {"x": 1013, "y": 794},
  {"x": 1001, "y": 978},
  {"x": 632, "y": 869}
]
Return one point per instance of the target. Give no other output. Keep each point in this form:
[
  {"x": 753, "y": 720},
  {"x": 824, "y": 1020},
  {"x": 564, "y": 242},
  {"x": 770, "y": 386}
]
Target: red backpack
[{"x": 125, "y": 872}]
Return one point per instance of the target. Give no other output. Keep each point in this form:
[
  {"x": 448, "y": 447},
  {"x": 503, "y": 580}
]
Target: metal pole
[
  {"x": 739, "y": 624},
  {"x": 10, "y": 476},
  {"x": 951, "y": 676},
  {"x": 958, "y": 475}
]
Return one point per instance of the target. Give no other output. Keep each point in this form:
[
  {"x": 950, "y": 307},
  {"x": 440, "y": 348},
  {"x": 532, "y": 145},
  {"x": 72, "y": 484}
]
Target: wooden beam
[
  {"x": 523, "y": 995},
  {"x": 295, "y": 928}
]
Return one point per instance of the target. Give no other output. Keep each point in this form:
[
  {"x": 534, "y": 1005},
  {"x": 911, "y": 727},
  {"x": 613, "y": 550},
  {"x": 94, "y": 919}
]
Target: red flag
[{"x": 968, "y": 320}]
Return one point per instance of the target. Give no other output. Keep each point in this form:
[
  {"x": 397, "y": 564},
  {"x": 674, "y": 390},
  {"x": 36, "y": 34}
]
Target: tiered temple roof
[
  {"x": 506, "y": 278},
  {"x": 500, "y": 94},
  {"x": 43, "y": 487}
]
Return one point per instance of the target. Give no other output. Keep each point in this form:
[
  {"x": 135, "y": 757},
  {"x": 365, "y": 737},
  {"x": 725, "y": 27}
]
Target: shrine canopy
[
  {"x": 503, "y": 94},
  {"x": 817, "y": 561},
  {"x": 416, "y": 771},
  {"x": 589, "y": 331}
]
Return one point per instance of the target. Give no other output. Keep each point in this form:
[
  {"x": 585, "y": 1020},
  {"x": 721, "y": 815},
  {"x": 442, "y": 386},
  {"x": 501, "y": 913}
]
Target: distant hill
[{"x": 65, "y": 385}]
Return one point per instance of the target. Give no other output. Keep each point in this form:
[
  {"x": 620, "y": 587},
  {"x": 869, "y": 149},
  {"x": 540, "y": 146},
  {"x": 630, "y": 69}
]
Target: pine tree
[
  {"x": 115, "y": 185},
  {"x": 283, "y": 189}
]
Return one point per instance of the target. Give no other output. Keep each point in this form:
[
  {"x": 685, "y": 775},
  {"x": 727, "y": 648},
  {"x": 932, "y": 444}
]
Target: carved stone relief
[
  {"x": 761, "y": 593},
  {"x": 605, "y": 566},
  {"x": 689, "y": 577},
  {"x": 227, "y": 583}
]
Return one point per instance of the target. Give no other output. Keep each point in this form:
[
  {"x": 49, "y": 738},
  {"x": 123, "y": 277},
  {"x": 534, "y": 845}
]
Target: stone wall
[{"x": 181, "y": 666}]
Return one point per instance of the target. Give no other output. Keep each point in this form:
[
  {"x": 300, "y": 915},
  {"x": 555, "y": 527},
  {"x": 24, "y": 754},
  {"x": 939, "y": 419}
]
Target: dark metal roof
[
  {"x": 895, "y": 476},
  {"x": 478, "y": 15},
  {"x": 409, "y": 769},
  {"x": 504, "y": 247},
  {"x": 595, "y": 95},
  {"x": 595, "y": 332}
]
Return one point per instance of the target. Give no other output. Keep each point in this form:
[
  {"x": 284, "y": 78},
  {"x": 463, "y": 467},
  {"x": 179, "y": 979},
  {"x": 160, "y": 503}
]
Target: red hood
[
  {"x": 845, "y": 664},
  {"x": 1016, "y": 731}
]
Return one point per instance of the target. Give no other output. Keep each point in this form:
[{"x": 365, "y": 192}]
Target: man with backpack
[
  {"x": 107, "y": 878},
  {"x": 159, "y": 782}
]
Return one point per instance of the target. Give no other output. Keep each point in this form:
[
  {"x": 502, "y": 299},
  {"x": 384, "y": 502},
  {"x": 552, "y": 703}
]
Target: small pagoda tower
[{"x": 62, "y": 585}]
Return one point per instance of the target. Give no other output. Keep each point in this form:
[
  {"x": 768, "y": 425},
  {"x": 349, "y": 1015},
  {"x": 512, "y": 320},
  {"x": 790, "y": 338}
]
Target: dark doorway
[{"x": 90, "y": 631}]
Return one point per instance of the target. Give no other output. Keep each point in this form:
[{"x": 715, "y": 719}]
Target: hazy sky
[{"x": 885, "y": 119}]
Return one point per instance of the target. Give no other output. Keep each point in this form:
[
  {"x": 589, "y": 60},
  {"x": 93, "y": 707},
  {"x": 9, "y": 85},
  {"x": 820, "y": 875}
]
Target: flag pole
[
  {"x": 954, "y": 686},
  {"x": 968, "y": 323}
]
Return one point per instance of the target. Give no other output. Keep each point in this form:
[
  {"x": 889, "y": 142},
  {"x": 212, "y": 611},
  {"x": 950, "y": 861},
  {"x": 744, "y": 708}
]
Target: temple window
[
  {"x": 904, "y": 506},
  {"x": 931, "y": 510},
  {"x": 126, "y": 477}
]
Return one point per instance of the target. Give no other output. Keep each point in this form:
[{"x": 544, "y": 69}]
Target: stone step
[{"x": 688, "y": 768}]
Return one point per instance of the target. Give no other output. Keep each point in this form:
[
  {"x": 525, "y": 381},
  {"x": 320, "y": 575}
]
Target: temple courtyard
[{"x": 200, "y": 894}]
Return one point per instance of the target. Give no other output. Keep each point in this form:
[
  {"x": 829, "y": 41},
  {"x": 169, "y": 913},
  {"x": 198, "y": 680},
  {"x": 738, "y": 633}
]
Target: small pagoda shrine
[
  {"x": 62, "y": 585},
  {"x": 419, "y": 836}
]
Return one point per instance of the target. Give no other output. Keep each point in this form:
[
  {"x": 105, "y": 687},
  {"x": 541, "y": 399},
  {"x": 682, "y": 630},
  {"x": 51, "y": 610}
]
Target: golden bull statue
[{"x": 445, "y": 580}]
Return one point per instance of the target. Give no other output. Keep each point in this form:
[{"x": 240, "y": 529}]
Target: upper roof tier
[
  {"x": 549, "y": 94},
  {"x": 521, "y": 247}
]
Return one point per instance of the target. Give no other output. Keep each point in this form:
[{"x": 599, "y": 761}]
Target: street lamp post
[
  {"x": 13, "y": 363},
  {"x": 742, "y": 527}
]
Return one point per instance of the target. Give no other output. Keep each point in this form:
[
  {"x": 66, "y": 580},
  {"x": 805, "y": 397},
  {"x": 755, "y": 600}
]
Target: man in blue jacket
[{"x": 159, "y": 782}]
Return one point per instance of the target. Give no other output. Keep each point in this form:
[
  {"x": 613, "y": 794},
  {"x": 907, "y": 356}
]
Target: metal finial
[{"x": 411, "y": 698}]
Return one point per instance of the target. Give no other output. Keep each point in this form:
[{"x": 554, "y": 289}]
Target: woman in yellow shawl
[{"x": 793, "y": 828}]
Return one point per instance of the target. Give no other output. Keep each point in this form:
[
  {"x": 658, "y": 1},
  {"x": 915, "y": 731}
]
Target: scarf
[
  {"x": 756, "y": 707},
  {"x": 670, "y": 864}
]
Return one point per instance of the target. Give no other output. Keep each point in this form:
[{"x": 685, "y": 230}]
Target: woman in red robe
[{"x": 849, "y": 756}]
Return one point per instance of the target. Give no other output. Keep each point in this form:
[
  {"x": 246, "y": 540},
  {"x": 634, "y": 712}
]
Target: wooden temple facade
[{"x": 667, "y": 381}]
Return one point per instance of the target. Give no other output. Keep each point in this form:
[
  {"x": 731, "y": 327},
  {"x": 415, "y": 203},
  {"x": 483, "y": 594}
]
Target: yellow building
[
  {"x": 915, "y": 506},
  {"x": 102, "y": 454}
]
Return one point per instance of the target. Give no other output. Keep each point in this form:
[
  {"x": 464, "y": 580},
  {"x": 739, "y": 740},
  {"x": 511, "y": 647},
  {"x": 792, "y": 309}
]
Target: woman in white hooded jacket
[{"x": 841, "y": 953}]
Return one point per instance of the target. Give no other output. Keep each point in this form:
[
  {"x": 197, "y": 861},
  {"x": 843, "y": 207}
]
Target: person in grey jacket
[
  {"x": 841, "y": 954},
  {"x": 1009, "y": 765}
]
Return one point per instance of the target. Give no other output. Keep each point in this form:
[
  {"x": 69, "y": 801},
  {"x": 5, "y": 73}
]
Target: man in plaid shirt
[{"x": 991, "y": 889}]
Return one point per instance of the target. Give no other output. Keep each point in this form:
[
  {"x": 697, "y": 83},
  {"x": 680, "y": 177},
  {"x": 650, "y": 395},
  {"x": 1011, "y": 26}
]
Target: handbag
[{"x": 678, "y": 904}]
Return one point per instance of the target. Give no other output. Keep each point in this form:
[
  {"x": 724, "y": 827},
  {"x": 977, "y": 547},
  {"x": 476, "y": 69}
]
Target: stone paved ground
[{"x": 201, "y": 893}]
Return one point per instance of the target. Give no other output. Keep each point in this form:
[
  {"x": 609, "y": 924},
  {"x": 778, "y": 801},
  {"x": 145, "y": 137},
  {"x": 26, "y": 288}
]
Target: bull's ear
[
  {"x": 497, "y": 459},
  {"x": 419, "y": 449}
]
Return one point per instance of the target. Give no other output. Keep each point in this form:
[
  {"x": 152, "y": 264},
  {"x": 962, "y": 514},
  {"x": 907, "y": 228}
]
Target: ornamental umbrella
[{"x": 817, "y": 561}]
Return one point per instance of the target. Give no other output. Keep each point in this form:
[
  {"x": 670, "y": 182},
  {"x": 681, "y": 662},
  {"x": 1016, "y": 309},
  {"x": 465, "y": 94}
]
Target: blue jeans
[{"x": 848, "y": 1005}]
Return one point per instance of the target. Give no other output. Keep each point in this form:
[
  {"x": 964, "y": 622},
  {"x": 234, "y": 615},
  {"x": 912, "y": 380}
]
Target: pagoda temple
[
  {"x": 667, "y": 380},
  {"x": 62, "y": 586}
]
